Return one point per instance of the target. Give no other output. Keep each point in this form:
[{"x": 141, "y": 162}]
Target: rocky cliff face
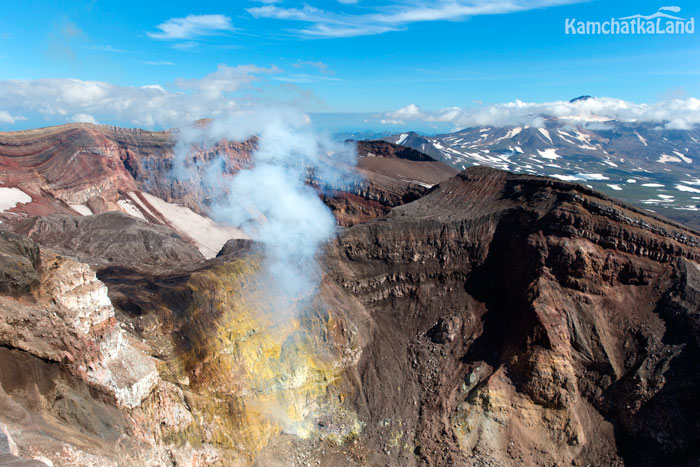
[
  {"x": 492, "y": 319},
  {"x": 84, "y": 169},
  {"x": 391, "y": 175},
  {"x": 519, "y": 320},
  {"x": 92, "y": 166}
]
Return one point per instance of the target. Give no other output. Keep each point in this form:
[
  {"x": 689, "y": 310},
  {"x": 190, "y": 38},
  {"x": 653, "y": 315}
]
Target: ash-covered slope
[{"x": 110, "y": 238}]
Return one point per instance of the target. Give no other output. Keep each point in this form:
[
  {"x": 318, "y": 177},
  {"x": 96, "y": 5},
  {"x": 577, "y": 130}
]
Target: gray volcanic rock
[
  {"x": 236, "y": 246},
  {"x": 19, "y": 258},
  {"x": 113, "y": 238},
  {"x": 378, "y": 148}
]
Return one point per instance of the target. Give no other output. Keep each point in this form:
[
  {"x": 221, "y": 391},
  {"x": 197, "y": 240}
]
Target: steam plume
[{"x": 271, "y": 201}]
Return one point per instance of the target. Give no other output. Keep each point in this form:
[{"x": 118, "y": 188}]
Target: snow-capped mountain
[{"x": 641, "y": 163}]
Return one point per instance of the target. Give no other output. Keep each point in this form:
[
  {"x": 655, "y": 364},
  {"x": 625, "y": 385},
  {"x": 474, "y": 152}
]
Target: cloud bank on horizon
[
  {"x": 28, "y": 103},
  {"x": 678, "y": 114},
  {"x": 230, "y": 89},
  {"x": 62, "y": 100},
  {"x": 145, "y": 67}
]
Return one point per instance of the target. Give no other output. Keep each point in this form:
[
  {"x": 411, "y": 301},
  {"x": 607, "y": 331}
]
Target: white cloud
[
  {"x": 394, "y": 16},
  {"x": 673, "y": 113},
  {"x": 225, "y": 79},
  {"x": 410, "y": 112},
  {"x": 105, "y": 48},
  {"x": 186, "y": 100},
  {"x": 157, "y": 63},
  {"x": 320, "y": 66},
  {"x": 192, "y": 26},
  {"x": 84, "y": 118},
  {"x": 185, "y": 45},
  {"x": 304, "y": 78},
  {"x": 6, "y": 118}
]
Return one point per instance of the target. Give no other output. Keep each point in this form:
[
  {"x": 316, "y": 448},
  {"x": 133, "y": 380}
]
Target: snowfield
[
  {"x": 129, "y": 208},
  {"x": 207, "y": 234},
  {"x": 549, "y": 154},
  {"x": 687, "y": 189},
  {"x": 666, "y": 158},
  {"x": 82, "y": 209},
  {"x": 11, "y": 197}
]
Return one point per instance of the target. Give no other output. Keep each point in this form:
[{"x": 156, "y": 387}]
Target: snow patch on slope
[
  {"x": 549, "y": 153},
  {"x": 687, "y": 160},
  {"x": 666, "y": 158},
  {"x": 81, "y": 209},
  {"x": 641, "y": 138},
  {"x": 11, "y": 197},
  {"x": 129, "y": 208},
  {"x": 207, "y": 234},
  {"x": 687, "y": 189}
]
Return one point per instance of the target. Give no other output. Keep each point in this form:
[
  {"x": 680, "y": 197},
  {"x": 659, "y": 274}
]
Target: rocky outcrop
[
  {"x": 110, "y": 238},
  {"x": 70, "y": 319},
  {"x": 384, "y": 149},
  {"x": 523, "y": 320},
  {"x": 7, "y": 444},
  {"x": 19, "y": 259},
  {"x": 9, "y": 454},
  {"x": 237, "y": 247},
  {"x": 391, "y": 175}
]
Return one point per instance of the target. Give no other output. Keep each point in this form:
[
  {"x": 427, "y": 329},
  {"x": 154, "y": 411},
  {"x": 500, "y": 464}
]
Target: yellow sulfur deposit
[{"x": 258, "y": 365}]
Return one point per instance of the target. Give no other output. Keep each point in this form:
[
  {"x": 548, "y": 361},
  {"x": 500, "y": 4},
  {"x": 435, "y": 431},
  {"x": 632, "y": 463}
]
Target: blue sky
[{"x": 362, "y": 59}]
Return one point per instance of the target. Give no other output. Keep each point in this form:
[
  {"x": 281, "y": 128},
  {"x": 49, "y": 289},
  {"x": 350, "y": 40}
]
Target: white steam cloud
[
  {"x": 672, "y": 114},
  {"x": 271, "y": 201}
]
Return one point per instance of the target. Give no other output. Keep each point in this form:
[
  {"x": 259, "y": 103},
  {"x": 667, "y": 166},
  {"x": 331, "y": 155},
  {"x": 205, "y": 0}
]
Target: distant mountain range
[{"x": 641, "y": 163}]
